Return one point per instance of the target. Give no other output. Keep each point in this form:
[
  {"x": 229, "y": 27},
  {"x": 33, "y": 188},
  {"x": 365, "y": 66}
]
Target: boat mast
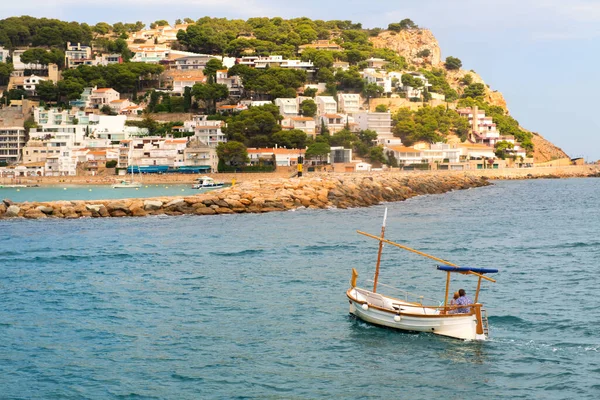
[{"x": 379, "y": 253}]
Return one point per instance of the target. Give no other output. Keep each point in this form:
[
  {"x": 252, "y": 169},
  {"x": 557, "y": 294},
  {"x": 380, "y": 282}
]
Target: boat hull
[{"x": 415, "y": 318}]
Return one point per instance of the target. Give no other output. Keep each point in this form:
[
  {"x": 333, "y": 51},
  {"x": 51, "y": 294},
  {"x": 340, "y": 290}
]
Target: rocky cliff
[{"x": 411, "y": 43}]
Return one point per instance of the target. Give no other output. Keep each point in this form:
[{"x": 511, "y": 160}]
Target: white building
[
  {"x": 287, "y": 106},
  {"x": 283, "y": 157},
  {"x": 207, "y": 131},
  {"x": 103, "y": 97},
  {"x": 12, "y": 140},
  {"x": 442, "y": 153},
  {"x": 379, "y": 78},
  {"x": 337, "y": 122},
  {"x": 195, "y": 62},
  {"x": 326, "y": 105},
  {"x": 18, "y": 65},
  {"x": 4, "y": 54},
  {"x": 198, "y": 154},
  {"x": 305, "y": 124},
  {"x": 233, "y": 83},
  {"x": 349, "y": 102},
  {"x": 380, "y": 122},
  {"x": 30, "y": 83},
  {"x": 77, "y": 54}
]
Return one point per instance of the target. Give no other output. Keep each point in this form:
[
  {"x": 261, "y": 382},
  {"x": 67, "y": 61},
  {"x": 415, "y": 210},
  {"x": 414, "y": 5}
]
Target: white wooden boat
[
  {"x": 206, "y": 182},
  {"x": 467, "y": 322}
]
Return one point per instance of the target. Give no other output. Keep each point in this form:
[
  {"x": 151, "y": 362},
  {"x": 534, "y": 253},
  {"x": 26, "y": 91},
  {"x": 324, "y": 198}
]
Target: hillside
[
  {"x": 409, "y": 43},
  {"x": 382, "y": 65}
]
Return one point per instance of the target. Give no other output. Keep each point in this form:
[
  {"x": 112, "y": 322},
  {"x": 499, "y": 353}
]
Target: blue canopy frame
[{"x": 449, "y": 268}]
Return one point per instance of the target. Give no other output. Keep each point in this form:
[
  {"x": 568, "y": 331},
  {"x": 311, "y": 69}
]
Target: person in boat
[
  {"x": 463, "y": 300},
  {"x": 454, "y": 298}
]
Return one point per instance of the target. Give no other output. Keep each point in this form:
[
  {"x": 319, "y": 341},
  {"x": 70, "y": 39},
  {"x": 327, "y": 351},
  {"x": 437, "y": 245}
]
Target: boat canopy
[{"x": 449, "y": 268}]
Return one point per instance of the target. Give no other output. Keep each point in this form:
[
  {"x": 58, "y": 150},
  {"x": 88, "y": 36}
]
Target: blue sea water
[
  {"x": 94, "y": 192},
  {"x": 253, "y": 306}
]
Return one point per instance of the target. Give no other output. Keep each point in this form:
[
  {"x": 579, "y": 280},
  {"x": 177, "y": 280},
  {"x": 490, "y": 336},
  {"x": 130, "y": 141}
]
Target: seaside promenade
[{"x": 258, "y": 193}]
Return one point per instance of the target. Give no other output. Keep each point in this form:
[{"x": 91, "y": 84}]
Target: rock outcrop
[{"x": 409, "y": 43}]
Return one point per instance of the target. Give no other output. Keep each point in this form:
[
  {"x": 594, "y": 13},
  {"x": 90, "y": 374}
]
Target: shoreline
[
  {"x": 501, "y": 174},
  {"x": 258, "y": 193}
]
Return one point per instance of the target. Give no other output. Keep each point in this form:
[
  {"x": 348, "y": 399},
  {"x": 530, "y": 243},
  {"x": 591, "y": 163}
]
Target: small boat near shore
[
  {"x": 206, "y": 182},
  {"x": 464, "y": 321},
  {"x": 127, "y": 185}
]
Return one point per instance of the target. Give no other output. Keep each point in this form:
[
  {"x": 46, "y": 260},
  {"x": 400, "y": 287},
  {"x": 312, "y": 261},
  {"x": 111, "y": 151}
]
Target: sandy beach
[{"x": 506, "y": 173}]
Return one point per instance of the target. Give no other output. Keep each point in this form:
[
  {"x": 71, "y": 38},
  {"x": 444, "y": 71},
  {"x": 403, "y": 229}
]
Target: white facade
[
  {"x": 4, "y": 54},
  {"x": 20, "y": 66},
  {"x": 379, "y": 78},
  {"x": 30, "y": 83},
  {"x": 380, "y": 122},
  {"x": 103, "y": 97},
  {"x": 305, "y": 124},
  {"x": 233, "y": 83},
  {"x": 287, "y": 107},
  {"x": 349, "y": 102},
  {"x": 442, "y": 152},
  {"x": 206, "y": 131},
  {"x": 12, "y": 140},
  {"x": 76, "y": 54},
  {"x": 326, "y": 105}
]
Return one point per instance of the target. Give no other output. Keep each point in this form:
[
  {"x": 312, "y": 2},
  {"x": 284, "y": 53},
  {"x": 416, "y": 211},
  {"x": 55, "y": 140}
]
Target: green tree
[
  {"x": 474, "y": 90},
  {"x": 453, "y": 63},
  {"x": 292, "y": 139},
  {"x": 372, "y": 90},
  {"x": 5, "y": 70},
  {"x": 381, "y": 108},
  {"x": 501, "y": 147},
  {"x": 308, "y": 108},
  {"x": 233, "y": 153},
  {"x": 211, "y": 93},
  {"x": 467, "y": 79},
  {"x": 47, "y": 91},
  {"x": 318, "y": 150},
  {"x": 376, "y": 154},
  {"x": 212, "y": 66}
]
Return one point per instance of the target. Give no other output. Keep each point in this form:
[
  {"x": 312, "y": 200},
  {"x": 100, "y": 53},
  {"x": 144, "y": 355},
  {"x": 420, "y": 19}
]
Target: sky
[{"x": 541, "y": 54}]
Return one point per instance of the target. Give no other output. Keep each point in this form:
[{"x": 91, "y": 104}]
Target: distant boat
[
  {"x": 467, "y": 322},
  {"x": 206, "y": 182},
  {"x": 126, "y": 185}
]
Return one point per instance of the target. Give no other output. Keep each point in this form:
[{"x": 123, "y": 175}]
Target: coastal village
[{"x": 195, "y": 112}]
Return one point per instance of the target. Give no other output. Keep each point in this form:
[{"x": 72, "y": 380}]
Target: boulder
[
  {"x": 94, "y": 207},
  {"x": 138, "y": 212},
  {"x": 12, "y": 211},
  {"x": 118, "y": 213},
  {"x": 204, "y": 211},
  {"x": 152, "y": 205},
  {"x": 45, "y": 209},
  {"x": 34, "y": 214},
  {"x": 223, "y": 210},
  {"x": 175, "y": 203}
]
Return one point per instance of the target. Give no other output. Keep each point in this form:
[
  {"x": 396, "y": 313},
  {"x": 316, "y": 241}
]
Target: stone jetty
[{"x": 316, "y": 191}]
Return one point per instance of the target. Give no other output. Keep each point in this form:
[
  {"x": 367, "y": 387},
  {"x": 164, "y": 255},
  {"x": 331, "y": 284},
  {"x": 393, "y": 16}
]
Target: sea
[
  {"x": 253, "y": 306},
  {"x": 94, "y": 192}
]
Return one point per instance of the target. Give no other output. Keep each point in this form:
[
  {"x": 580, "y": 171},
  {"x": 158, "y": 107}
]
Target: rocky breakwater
[{"x": 319, "y": 191}]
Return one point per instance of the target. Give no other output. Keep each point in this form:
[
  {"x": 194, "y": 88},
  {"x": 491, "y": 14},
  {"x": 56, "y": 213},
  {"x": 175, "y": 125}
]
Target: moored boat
[
  {"x": 206, "y": 182},
  {"x": 127, "y": 185},
  {"x": 462, "y": 321}
]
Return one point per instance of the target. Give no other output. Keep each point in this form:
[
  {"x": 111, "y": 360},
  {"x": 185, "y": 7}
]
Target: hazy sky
[{"x": 541, "y": 54}]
